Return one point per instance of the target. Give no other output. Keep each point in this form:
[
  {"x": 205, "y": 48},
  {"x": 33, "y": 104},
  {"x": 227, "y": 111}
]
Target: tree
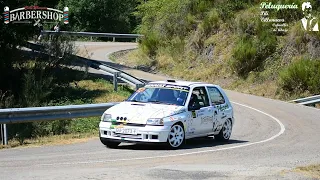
[{"x": 101, "y": 15}]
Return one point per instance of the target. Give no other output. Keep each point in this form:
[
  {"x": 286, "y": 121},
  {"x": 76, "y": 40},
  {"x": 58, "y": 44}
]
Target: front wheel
[
  {"x": 109, "y": 144},
  {"x": 176, "y": 136},
  {"x": 225, "y": 132}
]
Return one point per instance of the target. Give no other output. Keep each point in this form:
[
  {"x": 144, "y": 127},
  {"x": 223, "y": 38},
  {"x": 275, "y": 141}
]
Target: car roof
[{"x": 183, "y": 83}]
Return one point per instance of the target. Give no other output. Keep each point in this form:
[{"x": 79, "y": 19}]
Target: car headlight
[
  {"x": 155, "y": 121},
  {"x": 106, "y": 118}
]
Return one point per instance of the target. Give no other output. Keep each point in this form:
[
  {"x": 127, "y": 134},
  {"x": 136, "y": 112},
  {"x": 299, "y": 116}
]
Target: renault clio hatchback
[{"x": 169, "y": 112}]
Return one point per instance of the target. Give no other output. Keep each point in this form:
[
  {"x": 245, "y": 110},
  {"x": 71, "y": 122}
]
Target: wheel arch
[
  {"x": 180, "y": 123},
  {"x": 232, "y": 120}
]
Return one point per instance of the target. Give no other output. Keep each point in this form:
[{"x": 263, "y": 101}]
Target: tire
[
  {"x": 176, "y": 136},
  {"x": 225, "y": 131},
  {"x": 109, "y": 144}
]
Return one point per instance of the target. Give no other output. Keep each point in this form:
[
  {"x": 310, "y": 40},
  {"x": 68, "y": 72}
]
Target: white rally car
[{"x": 168, "y": 111}]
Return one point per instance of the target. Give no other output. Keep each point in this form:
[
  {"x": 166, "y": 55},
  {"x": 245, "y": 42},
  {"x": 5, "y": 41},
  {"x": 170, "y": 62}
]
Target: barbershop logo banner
[{"x": 28, "y": 14}]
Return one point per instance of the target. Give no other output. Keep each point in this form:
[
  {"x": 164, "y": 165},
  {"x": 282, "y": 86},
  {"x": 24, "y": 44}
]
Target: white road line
[{"x": 282, "y": 129}]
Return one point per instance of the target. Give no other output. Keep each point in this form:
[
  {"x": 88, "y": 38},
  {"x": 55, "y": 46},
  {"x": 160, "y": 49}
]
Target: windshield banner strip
[{"x": 170, "y": 86}]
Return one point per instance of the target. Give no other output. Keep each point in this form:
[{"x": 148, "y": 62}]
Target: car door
[
  {"x": 218, "y": 100},
  {"x": 202, "y": 114}
]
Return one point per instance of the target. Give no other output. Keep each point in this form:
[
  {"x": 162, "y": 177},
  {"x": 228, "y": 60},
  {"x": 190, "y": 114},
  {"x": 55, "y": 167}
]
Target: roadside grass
[
  {"x": 105, "y": 89},
  {"x": 312, "y": 171},
  {"x": 131, "y": 58},
  {"x": 53, "y": 140}
]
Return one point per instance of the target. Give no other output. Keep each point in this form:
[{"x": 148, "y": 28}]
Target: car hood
[{"x": 140, "y": 112}]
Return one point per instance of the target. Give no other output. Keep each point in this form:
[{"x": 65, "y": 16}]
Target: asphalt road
[{"x": 269, "y": 138}]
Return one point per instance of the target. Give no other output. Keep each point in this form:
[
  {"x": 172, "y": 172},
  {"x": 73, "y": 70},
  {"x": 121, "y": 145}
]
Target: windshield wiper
[
  {"x": 160, "y": 102},
  {"x": 155, "y": 101},
  {"x": 133, "y": 100}
]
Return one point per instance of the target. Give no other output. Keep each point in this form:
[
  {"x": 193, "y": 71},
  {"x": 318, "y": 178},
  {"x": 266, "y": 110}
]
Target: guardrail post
[
  {"x": 1, "y": 132},
  {"x": 113, "y": 39},
  {"x": 91, "y": 38},
  {"x": 115, "y": 80},
  {"x": 5, "y": 135}
]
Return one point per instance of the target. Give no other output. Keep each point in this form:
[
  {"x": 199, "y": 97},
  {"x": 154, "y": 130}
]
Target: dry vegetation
[
  {"x": 52, "y": 140},
  {"x": 312, "y": 171}
]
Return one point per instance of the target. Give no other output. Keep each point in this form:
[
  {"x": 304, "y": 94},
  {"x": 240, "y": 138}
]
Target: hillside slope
[{"x": 232, "y": 44}]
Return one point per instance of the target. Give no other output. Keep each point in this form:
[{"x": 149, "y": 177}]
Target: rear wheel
[
  {"x": 109, "y": 144},
  {"x": 225, "y": 132},
  {"x": 176, "y": 136}
]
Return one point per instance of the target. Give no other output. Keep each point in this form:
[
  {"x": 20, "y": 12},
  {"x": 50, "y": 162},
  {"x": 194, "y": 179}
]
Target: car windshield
[{"x": 161, "y": 94}]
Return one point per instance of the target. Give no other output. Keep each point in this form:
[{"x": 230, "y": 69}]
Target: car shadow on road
[{"x": 195, "y": 143}]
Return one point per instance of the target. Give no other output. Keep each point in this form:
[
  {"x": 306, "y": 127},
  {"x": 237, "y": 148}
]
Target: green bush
[
  {"x": 300, "y": 76},
  {"x": 150, "y": 44},
  {"x": 100, "y": 15},
  {"x": 227, "y": 8},
  {"x": 36, "y": 88},
  {"x": 244, "y": 54},
  {"x": 84, "y": 125},
  {"x": 210, "y": 22},
  {"x": 255, "y": 44},
  {"x": 250, "y": 53}
]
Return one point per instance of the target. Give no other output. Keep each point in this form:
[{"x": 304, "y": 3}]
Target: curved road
[{"x": 269, "y": 139}]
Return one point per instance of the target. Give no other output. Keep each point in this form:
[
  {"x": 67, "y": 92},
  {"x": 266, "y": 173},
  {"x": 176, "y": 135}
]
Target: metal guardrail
[
  {"x": 33, "y": 114},
  {"x": 116, "y": 73},
  {"x": 49, "y": 113},
  {"x": 93, "y": 34},
  {"x": 308, "y": 101}
]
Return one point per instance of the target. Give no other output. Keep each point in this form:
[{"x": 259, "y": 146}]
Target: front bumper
[{"x": 145, "y": 133}]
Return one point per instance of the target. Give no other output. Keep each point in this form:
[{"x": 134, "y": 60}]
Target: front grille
[{"x": 129, "y": 124}]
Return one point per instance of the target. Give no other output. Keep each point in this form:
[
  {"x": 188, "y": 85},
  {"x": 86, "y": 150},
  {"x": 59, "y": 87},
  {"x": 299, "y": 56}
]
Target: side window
[
  {"x": 199, "y": 97},
  {"x": 215, "y": 96}
]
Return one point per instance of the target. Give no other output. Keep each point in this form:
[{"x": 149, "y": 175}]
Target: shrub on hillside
[
  {"x": 250, "y": 53},
  {"x": 302, "y": 75},
  {"x": 227, "y": 8},
  {"x": 210, "y": 22},
  {"x": 244, "y": 54},
  {"x": 150, "y": 44}
]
